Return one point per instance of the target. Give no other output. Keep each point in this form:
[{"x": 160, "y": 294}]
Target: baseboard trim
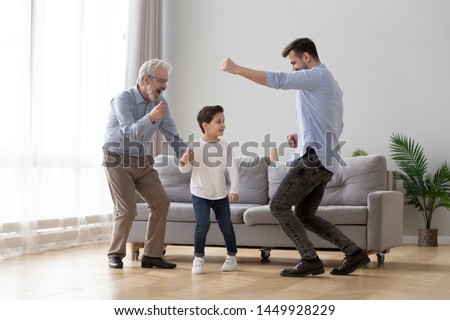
[{"x": 413, "y": 240}]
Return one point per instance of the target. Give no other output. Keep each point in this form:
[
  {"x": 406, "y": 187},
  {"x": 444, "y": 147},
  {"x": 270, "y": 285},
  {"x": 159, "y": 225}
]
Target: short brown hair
[
  {"x": 300, "y": 46},
  {"x": 207, "y": 114}
]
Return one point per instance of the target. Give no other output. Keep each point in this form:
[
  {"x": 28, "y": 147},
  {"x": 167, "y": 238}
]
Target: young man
[
  {"x": 320, "y": 120},
  {"x": 134, "y": 117}
]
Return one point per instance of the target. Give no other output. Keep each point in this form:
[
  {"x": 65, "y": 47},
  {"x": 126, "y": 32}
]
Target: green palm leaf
[
  {"x": 424, "y": 191},
  {"x": 408, "y": 155}
]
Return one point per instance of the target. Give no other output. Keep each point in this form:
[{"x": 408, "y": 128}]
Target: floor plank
[{"x": 409, "y": 273}]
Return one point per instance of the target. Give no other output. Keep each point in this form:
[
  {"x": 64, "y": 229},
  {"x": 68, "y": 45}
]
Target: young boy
[{"x": 209, "y": 159}]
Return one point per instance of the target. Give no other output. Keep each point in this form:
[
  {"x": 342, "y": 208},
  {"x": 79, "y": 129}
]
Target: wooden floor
[{"x": 409, "y": 272}]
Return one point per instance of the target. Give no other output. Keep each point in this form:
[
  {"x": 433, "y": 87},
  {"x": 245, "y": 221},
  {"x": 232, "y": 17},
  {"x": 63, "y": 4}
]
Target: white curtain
[
  {"x": 61, "y": 62},
  {"x": 145, "y": 32},
  {"x": 144, "y": 43}
]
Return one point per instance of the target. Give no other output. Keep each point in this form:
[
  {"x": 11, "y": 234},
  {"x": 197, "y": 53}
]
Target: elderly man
[{"x": 134, "y": 116}]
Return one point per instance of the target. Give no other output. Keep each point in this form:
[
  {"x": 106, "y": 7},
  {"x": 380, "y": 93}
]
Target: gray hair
[{"x": 149, "y": 67}]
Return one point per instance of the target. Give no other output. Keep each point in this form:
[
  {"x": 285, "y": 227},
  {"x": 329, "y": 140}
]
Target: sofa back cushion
[
  {"x": 350, "y": 185},
  {"x": 276, "y": 173},
  {"x": 253, "y": 187},
  {"x": 252, "y": 179},
  {"x": 176, "y": 183}
]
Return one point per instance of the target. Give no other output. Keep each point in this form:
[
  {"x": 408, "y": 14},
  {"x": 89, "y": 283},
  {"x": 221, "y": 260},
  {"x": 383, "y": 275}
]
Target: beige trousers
[{"x": 126, "y": 176}]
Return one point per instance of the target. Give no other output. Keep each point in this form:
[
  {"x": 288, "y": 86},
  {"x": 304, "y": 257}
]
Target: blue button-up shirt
[
  {"x": 319, "y": 111},
  {"x": 129, "y": 129}
]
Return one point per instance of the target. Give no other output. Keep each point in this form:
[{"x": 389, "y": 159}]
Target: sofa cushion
[
  {"x": 352, "y": 183},
  {"x": 176, "y": 184},
  {"x": 184, "y": 212},
  {"x": 338, "y": 215},
  {"x": 253, "y": 179},
  {"x": 275, "y": 174},
  {"x": 349, "y": 185}
]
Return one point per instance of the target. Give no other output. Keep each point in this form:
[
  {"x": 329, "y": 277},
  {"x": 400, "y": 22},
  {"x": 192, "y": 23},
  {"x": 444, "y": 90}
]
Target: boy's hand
[
  {"x": 187, "y": 157},
  {"x": 234, "y": 197}
]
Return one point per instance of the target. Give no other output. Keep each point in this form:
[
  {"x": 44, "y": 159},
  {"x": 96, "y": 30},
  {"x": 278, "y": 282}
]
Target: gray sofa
[{"x": 359, "y": 200}]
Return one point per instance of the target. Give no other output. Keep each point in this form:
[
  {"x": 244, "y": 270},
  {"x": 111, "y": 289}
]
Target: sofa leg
[
  {"x": 134, "y": 247},
  {"x": 265, "y": 254}
]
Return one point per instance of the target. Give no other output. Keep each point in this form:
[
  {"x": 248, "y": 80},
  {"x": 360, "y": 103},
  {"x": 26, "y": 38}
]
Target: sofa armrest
[{"x": 384, "y": 220}]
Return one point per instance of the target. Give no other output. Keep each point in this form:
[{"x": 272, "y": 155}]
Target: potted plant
[
  {"x": 359, "y": 153},
  {"x": 425, "y": 191}
]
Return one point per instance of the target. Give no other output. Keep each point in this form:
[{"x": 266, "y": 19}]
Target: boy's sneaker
[
  {"x": 230, "y": 264},
  {"x": 197, "y": 265}
]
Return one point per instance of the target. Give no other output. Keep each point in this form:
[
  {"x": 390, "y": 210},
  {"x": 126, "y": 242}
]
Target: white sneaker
[
  {"x": 230, "y": 264},
  {"x": 197, "y": 265}
]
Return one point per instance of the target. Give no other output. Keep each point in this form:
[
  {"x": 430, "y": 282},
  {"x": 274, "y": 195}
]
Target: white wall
[{"x": 390, "y": 58}]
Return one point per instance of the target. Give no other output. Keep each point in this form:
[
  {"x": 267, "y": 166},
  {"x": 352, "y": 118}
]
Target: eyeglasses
[{"x": 160, "y": 80}]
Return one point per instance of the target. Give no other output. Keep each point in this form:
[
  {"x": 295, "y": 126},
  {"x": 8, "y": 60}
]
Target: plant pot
[{"x": 428, "y": 237}]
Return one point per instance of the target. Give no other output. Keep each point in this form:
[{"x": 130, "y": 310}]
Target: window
[{"x": 61, "y": 62}]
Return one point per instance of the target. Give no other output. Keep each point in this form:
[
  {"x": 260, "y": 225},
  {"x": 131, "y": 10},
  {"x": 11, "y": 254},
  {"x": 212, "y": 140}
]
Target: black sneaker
[
  {"x": 350, "y": 263},
  {"x": 151, "y": 262},
  {"x": 115, "y": 262},
  {"x": 304, "y": 268}
]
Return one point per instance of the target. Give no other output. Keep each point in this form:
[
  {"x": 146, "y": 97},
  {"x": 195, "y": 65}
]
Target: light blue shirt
[
  {"x": 129, "y": 129},
  {"x": 319, "y": 111}
]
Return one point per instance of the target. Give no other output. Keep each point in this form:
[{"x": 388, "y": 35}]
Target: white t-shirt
[{"x": 211, "y": 162}]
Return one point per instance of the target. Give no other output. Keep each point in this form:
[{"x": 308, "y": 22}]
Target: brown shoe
[
  {"x": 304, "y": 268},
  {"x": 351, "y": 263},
  {"x": 150, "y": 262}
]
